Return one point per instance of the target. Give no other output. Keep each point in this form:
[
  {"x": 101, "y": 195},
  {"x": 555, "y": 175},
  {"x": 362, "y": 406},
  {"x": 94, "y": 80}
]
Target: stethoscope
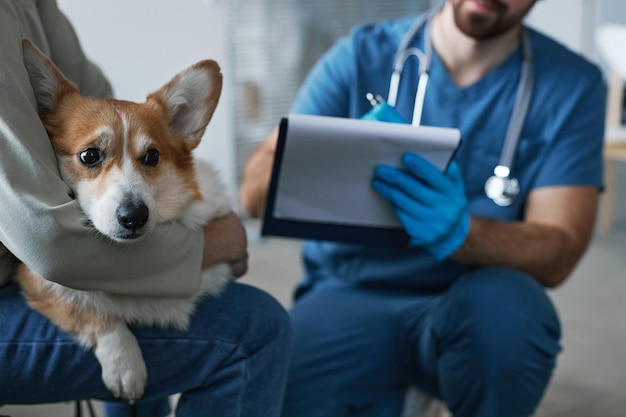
[{"x": 501, "y": 187}]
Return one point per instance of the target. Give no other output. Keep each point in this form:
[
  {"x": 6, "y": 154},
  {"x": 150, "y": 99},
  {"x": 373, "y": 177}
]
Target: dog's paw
[
  {"x": 124, "y": 371},
  {"x": 126, "y": 379}
]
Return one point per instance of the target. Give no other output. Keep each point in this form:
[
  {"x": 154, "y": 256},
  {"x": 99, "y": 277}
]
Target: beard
[{"x": 482, "y": 26}]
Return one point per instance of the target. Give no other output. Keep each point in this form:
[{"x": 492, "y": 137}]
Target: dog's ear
[
  {"x": 46, "y": 79},
  {"x": 190, "y": 99}
]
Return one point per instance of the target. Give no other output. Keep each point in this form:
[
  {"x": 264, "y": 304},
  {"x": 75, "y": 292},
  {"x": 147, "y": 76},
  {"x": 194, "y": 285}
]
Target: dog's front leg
[{"x": 123, "y": 368}]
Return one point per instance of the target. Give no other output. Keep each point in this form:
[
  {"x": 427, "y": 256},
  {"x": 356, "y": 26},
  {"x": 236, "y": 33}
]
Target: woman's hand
[{"x": 225, "y": 241}]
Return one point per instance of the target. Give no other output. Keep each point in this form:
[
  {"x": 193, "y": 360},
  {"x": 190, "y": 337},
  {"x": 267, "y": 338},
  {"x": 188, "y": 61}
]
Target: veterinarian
[
  {"x": 462, "y": 313},
  {"x": 220, "y": 365}
]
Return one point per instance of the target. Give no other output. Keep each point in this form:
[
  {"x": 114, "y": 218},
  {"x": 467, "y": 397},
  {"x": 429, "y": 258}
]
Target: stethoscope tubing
[{"x": 502, "y": 172}]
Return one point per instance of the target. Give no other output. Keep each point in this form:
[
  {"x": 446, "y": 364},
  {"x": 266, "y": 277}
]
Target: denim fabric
[
  {"x": 487, "y": 346},
  {"x": 231, "y": 362}
]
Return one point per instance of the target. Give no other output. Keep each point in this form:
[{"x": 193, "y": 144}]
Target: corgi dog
[{"x": 129, "y": 166}]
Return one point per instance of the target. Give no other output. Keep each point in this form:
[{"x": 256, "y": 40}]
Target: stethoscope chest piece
[{"x": 501, "y": 187}]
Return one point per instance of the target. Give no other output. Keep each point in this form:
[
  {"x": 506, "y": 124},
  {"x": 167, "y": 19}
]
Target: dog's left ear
[{"x": 190, "y": 99}]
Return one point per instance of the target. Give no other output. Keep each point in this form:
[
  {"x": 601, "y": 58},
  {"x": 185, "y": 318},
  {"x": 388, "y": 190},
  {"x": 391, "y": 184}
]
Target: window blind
[{"x": 273, "y": 44}]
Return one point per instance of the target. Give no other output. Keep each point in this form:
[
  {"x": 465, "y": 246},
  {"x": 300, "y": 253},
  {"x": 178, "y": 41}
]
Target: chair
[
  {"x": 418, "y": 404},
  {"x": 79, "y": 406},
  {"x": 611, "y": 43},
  {"x": 78, "y": 409}
]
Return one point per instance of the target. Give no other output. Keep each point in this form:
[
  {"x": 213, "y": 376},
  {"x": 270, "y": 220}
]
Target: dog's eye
[
  {"x": 151, "y": 158},
  {"x": 90, "y": 157}
]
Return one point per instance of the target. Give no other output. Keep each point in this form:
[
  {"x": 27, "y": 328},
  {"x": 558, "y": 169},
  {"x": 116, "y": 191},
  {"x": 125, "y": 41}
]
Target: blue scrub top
[{"x": 561, "y": 141}]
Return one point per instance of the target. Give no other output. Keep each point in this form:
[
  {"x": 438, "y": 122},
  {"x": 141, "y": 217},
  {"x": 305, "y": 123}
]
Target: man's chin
[{"x": 480, "y": 27}]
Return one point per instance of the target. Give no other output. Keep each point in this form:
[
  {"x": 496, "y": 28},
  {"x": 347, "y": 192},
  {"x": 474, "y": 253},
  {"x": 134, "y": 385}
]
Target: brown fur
[{"x": 71, "y": 318}]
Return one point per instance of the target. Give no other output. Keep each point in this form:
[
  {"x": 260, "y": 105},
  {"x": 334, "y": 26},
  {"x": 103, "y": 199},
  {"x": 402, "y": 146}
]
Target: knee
[
  {"x": 248, "y": 317},
  {"x": 505, "y": 319},
  {"x": 265, "y": 317}
]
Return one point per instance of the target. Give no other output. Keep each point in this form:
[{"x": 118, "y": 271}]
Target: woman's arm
[{"x": 41, "y": 224}]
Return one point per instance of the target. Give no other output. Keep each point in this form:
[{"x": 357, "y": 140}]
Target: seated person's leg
[
  {"x": 232, "y": 361},
  {"x": 494, "y": 338}
]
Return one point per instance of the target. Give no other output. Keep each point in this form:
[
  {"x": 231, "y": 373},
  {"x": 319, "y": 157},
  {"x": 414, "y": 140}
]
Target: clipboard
[{"x": 320, "y": 185}]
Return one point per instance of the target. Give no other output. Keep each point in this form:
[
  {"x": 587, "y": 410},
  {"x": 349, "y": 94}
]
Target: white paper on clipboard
[{"x": 328, "y": 163}]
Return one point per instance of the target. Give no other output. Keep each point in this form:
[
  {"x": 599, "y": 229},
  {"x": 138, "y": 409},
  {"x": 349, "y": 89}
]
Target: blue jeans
[
  {"x": 487, "y": 346},
  {"x": 232, "y": 361}
]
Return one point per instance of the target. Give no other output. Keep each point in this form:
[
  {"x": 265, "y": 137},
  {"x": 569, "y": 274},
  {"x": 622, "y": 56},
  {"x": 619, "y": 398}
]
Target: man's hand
[
  {"x": 430, "y": 205},
  {"x": 225, "y": 241},
  {"x": 256, "y": 178}
]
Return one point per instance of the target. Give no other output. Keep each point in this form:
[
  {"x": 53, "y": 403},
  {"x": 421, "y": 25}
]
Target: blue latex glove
[
  {"x": 431, "y": 205},
  {"x": 383, "y": 112}
]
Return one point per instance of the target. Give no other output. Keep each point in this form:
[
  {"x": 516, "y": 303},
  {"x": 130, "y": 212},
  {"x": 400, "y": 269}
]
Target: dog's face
[{"x": 129, "y": 165}]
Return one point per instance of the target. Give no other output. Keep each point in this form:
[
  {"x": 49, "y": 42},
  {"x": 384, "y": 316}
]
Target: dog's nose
[{"x": 132, "y": 216}]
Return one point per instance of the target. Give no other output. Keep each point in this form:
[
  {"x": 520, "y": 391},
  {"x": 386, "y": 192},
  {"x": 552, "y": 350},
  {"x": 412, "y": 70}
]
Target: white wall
[
  {"x": 142, "y": 44},
  {"x": 612, "y": 11},
  {"x": 571, "y": 22},
  {"x": 574, "y": 22}
]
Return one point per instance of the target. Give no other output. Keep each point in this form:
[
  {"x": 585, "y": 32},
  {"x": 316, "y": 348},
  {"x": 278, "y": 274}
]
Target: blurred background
[{"x": 265, "y": 48}]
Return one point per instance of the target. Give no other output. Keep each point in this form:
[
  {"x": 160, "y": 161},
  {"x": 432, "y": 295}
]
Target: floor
[{"x": 590, "y": 379}]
